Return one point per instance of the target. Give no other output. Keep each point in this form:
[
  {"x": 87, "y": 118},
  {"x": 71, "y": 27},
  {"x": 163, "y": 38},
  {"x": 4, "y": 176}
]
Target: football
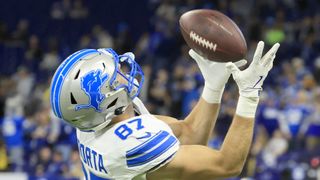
[{"x": 213, "y": 35}]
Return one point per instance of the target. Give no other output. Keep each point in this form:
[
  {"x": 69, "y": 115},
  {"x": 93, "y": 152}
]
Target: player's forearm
[
  {"x": 237, "y": 142},
  {"x": 249, "y": 81},
  {"x": 236, "y": 145},
  {"x": 203, "y": 117},
  {"x": 197, "y": 127},
  {"x": 201, "y": 121}
]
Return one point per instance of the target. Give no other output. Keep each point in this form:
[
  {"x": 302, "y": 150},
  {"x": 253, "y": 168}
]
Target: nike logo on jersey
[{"x": 148, "y": 134}]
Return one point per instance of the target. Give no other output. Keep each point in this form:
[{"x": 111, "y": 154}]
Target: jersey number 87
[{"x": 126, "y": 130}]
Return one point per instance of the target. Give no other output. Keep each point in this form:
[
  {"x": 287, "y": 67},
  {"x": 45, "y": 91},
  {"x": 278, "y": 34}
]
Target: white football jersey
[{"x": 127, "y": 149}]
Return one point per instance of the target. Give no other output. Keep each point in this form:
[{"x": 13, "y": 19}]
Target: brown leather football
[{"x": 213, "y": 35}]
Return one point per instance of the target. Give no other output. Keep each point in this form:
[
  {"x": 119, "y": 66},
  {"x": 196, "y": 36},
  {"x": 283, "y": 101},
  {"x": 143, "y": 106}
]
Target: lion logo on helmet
[{"x": 91, "y": 84}]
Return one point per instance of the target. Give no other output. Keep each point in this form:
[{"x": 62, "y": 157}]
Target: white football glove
[
  {"x": 215, "y": 74},
  {"x": 251, "y": 79}
]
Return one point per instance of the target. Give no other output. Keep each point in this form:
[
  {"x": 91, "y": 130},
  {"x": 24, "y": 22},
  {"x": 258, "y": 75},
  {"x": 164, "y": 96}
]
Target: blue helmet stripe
[
  {"x": 53, "y": 84},
  {"x": 57, "y": 75},
  {"x": 62, "y": 73}
]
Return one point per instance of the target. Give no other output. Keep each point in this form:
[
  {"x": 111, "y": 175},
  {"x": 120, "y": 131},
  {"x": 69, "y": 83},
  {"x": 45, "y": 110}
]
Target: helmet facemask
[
  {"x": 125, "y": 83},
  {"x": 127, "y": 69}
]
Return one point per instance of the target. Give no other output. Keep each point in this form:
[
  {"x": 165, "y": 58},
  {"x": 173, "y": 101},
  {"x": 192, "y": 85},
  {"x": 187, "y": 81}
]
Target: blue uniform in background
[
  {"x": 268, "y": 117},
  {"x": 292, "y": 118},
  {"x": 12, "y": 129}
]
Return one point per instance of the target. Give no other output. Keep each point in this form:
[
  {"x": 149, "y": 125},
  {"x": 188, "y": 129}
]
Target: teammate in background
[{"x": 96, "y": 92}]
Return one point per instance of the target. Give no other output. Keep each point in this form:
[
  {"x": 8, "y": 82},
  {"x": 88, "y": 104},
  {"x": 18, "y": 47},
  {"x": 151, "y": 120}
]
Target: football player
[{"x": 96, "y": 92}]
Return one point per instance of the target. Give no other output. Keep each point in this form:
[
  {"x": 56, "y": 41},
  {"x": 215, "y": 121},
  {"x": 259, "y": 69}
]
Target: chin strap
[
  {"x": 119, "y": 110},
  {"x": 109, "y": 118}
]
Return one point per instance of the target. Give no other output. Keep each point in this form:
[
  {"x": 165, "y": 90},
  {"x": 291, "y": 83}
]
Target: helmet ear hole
[
  {"x": 73, "y": 100},
  {"x": 77, "y": 75},
  {"x": 112, "y": 103}
]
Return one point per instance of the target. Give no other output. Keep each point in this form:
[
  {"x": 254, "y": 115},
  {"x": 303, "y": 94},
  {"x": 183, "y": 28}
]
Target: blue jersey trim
[
  {"x": 62, "y": 73},
  {"x": 167, "y": 144},
  {"x": 149, "y": 144},
  {"x": 162, "y": 163},
  {"x": 150, "y": 139},
  {"x": 84, "y": 172}
]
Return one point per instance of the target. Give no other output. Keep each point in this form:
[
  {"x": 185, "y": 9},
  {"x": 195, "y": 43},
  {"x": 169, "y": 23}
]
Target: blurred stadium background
[{"x": 35, "y": 36}]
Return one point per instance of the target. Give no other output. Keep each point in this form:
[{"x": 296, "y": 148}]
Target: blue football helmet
[{"x": 86, "y": 90}]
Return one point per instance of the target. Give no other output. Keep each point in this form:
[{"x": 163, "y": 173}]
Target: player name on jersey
[{"x": 91, "y": 158}]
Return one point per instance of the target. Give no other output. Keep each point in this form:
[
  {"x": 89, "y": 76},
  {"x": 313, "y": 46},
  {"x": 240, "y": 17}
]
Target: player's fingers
[
  {"x": 241, "y": 63},
  {"x": 274, "y": 48},
  {"x": 258, "y": 53},
  {"x": 194, "y": 55},
  {"x": 270, "y": 65},
  {"x": 232, "y": 68},
  {"x": 269, "y": 61},
  {"x": 270, "y": 55},
  {"x": 266, "y": 60}
]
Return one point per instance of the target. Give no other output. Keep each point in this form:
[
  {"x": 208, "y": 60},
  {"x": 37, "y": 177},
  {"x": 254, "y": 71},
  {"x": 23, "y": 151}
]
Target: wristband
[
  {"x": 247, "y": 106},
  {"x": 212, "y": 96}
]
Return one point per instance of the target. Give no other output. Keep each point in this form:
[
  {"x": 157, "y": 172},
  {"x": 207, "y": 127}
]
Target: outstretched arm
[
  {"x": 198, "y": 125},
  {"x": 200, "y": 162}
]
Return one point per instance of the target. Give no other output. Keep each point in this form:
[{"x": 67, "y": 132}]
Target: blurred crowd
[{"x": 32, "y": 45}]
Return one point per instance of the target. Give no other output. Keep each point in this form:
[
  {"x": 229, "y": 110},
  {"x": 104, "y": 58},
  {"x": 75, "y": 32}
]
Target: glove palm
[{"x": 215, "y": 74}]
